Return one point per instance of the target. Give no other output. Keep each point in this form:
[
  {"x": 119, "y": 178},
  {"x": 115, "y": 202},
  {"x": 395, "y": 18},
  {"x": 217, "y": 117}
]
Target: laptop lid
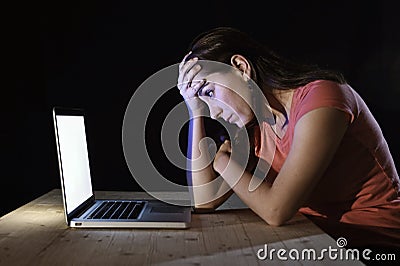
[{"x": 73, "y": 159}]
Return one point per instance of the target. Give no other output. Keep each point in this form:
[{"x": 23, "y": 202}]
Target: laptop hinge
[{"x": 81, "y": 208}]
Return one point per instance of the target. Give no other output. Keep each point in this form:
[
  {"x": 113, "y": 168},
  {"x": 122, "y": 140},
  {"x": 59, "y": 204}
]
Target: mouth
[{"x": 229, "y": 119}]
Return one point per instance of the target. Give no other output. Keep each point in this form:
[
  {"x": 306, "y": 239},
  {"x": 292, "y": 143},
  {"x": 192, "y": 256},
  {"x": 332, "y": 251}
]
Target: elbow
[
  {"x": 276, "y": 222},
  {"x": 276, "y": 218},
  {"x": 204, "y": 208}
]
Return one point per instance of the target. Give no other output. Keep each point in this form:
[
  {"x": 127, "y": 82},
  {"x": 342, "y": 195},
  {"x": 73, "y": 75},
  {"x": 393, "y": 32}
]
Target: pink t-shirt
[{"x": 361, "y": 185}]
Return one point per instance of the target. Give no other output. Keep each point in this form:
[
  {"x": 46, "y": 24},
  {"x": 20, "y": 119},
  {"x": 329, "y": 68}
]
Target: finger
[
  {"x": 184, "y": 60},
  {"x": 192, "y": 91},
  {"x": 189, "y": 65},
  {"x": 185, "y": 69},
  {"x": 226, "y": 147},
  {"x": 191, "y": 74},
  {"x": 195, "y": 89},
  {"x": 188, "y": 73}
]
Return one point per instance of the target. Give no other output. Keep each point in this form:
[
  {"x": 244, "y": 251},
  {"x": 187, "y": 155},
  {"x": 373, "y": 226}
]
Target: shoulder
[
  {"x": 322, "y": 89},
  {"x": 325, "y": 93}
]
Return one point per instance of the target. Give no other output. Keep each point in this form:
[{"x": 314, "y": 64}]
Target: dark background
[{"x": 94, "y": 55}]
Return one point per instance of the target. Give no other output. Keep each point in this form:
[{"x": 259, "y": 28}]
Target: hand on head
[{"x": 188, "y": 86}]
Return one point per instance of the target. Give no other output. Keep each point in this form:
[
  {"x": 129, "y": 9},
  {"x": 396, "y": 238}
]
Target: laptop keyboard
[{"x": 117, "y": 210}]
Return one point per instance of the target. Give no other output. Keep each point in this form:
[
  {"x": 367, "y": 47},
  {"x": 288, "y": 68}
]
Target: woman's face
[{"x": 228, "y": 96}]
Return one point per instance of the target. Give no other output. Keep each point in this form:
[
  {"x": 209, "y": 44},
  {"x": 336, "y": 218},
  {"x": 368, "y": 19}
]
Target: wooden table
[{"x": 36, "y": 234}]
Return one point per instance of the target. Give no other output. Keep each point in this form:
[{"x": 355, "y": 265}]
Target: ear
[{"x": 240, "y": 62}]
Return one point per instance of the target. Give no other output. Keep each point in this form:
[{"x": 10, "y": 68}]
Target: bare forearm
[
  {"x": 199, "y": 157},
  {"x": 263, "y": 201},
  {"x": 209, "y": 190}
]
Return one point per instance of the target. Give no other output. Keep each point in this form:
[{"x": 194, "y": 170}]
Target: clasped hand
[{"x": 222, "y": 156}]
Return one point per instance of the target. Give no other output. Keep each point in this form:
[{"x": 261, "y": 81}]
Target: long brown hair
[{"x": 270, "y": 71}]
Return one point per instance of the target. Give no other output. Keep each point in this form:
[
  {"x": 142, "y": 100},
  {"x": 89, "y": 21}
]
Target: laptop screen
[{"x": 74, "y": 160}]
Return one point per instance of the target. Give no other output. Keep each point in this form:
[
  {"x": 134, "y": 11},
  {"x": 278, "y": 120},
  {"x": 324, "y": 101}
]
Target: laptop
[{"x": 82, "y": 209}]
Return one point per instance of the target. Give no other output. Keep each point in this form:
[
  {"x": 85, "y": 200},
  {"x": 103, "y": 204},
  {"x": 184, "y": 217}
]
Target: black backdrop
[{"x": 94, "y": 55}]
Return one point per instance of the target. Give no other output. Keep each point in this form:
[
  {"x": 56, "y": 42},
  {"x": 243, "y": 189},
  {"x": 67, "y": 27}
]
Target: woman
[{"x": 330, "y": 160}]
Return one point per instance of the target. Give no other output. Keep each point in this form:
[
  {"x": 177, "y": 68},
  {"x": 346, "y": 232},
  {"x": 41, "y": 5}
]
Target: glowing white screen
[{"x": 75, "y": 160}]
